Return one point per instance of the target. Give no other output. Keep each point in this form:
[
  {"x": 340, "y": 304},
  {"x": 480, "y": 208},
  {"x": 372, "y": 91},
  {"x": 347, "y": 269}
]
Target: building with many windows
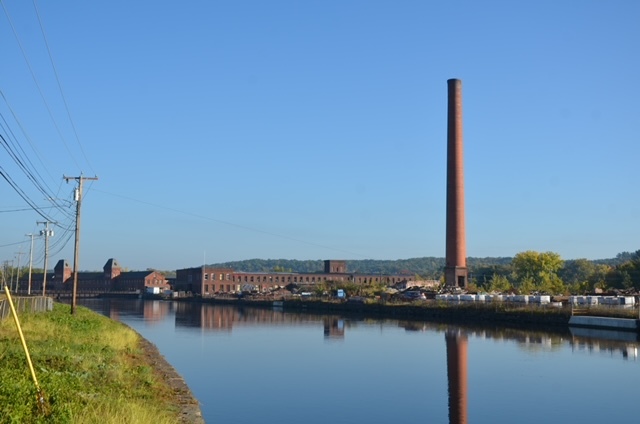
[
  {"x": 206, "y": 281},
  {"x": 111, "y": 279}
]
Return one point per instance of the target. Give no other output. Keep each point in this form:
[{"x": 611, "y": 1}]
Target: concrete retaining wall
[{"x": 604, "y": 322}]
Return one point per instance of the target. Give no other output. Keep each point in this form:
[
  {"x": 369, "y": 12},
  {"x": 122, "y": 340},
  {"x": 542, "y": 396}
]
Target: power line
[
  {"x": 26, "y": 209},
  {"x": 64, "y": 99},
  {"x": 36, "y": 180},
  {"x": 231, "y": 224},
  {"x": 21, "y": 193},
  {"x": 35, "y": 80}
]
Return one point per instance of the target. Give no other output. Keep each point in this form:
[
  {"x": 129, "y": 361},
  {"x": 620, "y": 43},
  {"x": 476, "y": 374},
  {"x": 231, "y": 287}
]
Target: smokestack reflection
[{"x": 457, "y": 376}]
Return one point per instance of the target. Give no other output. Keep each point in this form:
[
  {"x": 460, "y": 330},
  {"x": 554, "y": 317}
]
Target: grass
[{"x": 90, "y": 369}]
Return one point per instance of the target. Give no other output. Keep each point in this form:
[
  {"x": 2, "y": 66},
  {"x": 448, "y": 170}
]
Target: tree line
[{"x": 526, "y": 272}]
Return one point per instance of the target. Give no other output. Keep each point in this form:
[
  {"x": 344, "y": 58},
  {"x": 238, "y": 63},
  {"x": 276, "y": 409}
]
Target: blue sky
[{"x": 230, "y": 130}]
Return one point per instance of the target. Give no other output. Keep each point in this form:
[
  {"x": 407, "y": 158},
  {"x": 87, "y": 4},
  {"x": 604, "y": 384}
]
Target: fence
[{"x": 31, "y": 304}]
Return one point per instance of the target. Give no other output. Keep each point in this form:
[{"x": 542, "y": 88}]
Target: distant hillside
[{"x": 428, "y": 267}]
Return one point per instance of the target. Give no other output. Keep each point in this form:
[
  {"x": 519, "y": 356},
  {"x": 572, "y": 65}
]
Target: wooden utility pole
[
  {"x": 18, "y": 271},
  {"x": 76, "y": 249},
  {"x": 30, "y": 263},
  {"x": 46, "y": 233}
]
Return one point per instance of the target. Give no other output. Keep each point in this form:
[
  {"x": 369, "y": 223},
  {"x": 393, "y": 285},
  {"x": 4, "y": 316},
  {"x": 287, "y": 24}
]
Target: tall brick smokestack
[{"x": 455, "y": 271}]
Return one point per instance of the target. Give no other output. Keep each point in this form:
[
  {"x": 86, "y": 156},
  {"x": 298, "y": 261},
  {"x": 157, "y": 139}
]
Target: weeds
[{"x": 90, "y": 368}]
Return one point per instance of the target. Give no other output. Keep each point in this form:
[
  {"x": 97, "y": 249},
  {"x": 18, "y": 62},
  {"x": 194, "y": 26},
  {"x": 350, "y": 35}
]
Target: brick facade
[
  {"x": 206, "y": 281},
  {"x": 112, "y": 279}
]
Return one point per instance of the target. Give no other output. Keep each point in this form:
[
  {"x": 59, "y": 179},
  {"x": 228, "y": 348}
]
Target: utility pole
[
  {"x": 18, "y": 270},
  {"x": 76, "y": 249},
  {"x": 4, "y": 272},
  {"x": 30, "y": 263},
  {"x": 46, "y": 233},
  {"x": 11, "y": 276}
]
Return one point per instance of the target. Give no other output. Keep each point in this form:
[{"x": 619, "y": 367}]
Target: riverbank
[
  {"x": 533, "y": 317},
  {"x": 90, "y": 369}
]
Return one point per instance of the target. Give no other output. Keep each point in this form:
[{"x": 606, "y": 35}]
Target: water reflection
[
  {"x": 456, "y": 342},
  {"x": 210, "y": 319},
  {"x": 333, "y": 328},
  {"x": 615, "y": 344},
  {"x": 620, "y": 344}
]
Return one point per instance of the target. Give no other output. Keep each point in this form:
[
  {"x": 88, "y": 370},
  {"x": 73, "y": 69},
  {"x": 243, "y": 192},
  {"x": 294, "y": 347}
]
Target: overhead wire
[
  {"x": 35, "y": 180},
  {"x": 64, "y": 98},
  {"x": 59, "y": 213},
  {"x": 21, "y": 193},
  {"x": 24, "y": 133},
  {"x": 244, "y": 227},
  {"x": 35, "y": 80}
]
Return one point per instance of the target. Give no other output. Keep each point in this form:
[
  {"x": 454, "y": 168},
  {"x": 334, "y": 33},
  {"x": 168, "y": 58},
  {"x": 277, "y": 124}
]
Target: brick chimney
[{"x": 455, "y": 271}]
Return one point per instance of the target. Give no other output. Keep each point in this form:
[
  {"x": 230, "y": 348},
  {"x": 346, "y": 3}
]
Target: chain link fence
[{"x": 22, "y": 304}]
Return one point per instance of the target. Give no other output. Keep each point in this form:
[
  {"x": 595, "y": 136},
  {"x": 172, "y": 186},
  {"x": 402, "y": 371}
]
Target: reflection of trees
[
  {"x": 624, "y": 344},
  {"x": 621, "y": 344}
]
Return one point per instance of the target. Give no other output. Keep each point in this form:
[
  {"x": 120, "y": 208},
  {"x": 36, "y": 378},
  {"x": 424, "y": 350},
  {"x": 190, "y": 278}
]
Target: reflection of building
[
  {"x": 333, "y": 328},
  {"x": 206, "y": 280},
  {"x": 155, "y": 310},
  {"x": 205, "y": 316},
  {"x": 111, "y": 279},
  {"x": 457, "y": 376}
]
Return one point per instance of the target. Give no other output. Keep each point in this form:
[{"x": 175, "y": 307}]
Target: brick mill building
[
  {"x": 111, "y": 279},
  {"x": 206, "y": 280}
]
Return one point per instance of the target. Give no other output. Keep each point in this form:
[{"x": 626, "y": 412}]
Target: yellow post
[{"x": 24, "y": 344}]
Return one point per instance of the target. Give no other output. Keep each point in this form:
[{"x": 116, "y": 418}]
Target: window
[{"x": 206, "y": 277}]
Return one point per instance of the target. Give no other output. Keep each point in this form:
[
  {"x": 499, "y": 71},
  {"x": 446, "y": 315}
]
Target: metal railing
[{"x": 31, "y": 304}]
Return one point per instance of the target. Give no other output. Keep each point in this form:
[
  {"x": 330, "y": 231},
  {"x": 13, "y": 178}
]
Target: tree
[
  {"x": 599, "y": 278},
  {"x": 499, "y": 283},
  {"x": 535, "y": 271},
  {"x": 631, "y": 271},
  {"x": 576, "y": 271}
]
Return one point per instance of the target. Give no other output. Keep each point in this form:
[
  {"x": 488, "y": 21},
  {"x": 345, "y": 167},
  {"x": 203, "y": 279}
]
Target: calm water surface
[{"x": 249, "y": 365}]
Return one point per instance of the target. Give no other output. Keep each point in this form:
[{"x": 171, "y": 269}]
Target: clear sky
[{"x": 239, "y": 129}]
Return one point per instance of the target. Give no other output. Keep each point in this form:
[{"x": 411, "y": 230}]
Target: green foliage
[
  {"x": 485, "y": 274},
  {"x": 279, "y": 268},
  {"x": 499, "y": 284},
  {"x": 545, "y": 272},
  {"x": 426, "y": 268},
  {"x": 90, "y": 369},
  {"x": 630, "y": 272},
  {"x": 535, "y": 271},
  {"x": 577, "y": 272}
]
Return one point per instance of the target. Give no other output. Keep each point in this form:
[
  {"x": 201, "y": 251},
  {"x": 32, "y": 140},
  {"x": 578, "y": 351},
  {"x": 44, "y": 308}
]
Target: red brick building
[
  {"x": 111, "y": 279},
  {"x": 205, "y": 280}
]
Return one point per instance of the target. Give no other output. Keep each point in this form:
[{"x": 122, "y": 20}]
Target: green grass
[{"x": 90, "y": 369}]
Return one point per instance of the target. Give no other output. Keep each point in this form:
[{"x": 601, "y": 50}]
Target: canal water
[{"x": 250, "y": 365}]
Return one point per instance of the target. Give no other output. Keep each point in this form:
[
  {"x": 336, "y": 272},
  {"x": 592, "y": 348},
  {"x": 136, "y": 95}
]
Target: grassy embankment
[{"x": 90, "y": 369}]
